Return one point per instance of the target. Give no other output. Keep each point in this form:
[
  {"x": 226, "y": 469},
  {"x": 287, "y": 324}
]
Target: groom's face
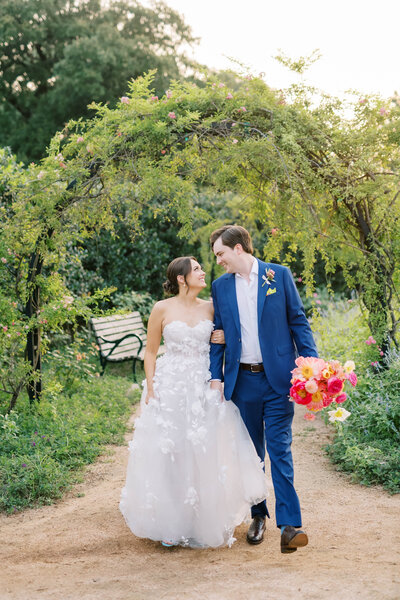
[{"x": 227, "y": 257}]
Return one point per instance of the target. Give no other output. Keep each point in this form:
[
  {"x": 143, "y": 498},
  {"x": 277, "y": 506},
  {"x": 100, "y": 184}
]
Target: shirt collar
[{"x": 253, "y": 272}]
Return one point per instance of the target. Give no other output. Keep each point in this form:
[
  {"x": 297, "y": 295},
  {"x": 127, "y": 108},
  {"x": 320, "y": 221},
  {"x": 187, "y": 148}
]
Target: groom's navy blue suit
[{"x": 262, "y": 398}]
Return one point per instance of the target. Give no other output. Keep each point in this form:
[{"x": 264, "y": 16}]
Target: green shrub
[
  {"x": 140, "y": 301},
  {"x": 44, "y": 447},
  {"x": 368, "y": 443}
]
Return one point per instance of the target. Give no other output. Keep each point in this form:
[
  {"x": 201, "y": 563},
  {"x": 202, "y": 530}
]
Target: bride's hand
[
  {"x": 218, "y": 337},
  {"x": 149, "y": 395},
  {"x": 217, "y": 385}
]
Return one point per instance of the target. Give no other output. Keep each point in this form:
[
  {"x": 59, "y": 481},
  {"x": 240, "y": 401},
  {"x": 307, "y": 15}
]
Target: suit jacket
[{"x": 283, "y": 328}]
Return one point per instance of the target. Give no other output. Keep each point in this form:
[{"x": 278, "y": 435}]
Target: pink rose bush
[{"x": 317, "y": 383}]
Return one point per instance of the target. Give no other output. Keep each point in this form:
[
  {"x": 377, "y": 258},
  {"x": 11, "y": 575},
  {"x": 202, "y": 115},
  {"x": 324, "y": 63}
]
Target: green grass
[{"x": 44, "y": 448}]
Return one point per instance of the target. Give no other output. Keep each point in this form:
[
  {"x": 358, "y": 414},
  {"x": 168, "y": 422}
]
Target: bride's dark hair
[{"x": 179, "y": 266}]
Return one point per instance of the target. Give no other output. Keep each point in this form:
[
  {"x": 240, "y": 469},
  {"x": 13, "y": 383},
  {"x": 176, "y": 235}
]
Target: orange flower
[{"x": 317, "y": 402}]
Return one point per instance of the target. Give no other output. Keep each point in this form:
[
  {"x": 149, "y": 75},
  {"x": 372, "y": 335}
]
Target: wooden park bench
[{"x": 121, "y": 338}]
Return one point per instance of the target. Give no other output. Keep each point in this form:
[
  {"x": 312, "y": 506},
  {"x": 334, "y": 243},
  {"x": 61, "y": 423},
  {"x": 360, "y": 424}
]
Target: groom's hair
[{"x": 231, "y": 235}]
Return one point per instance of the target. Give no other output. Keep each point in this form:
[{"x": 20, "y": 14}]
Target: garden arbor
[{"x": 318, "y": 182}]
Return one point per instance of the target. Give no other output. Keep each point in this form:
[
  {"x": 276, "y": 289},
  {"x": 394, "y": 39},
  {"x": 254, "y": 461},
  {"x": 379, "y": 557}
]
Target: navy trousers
[{"x": 268, "y": 417}]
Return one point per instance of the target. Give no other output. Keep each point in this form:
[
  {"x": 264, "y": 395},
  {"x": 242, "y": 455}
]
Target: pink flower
[
  {"x": 154, "y": 98},
  {"x": 308, "y": 367},
  {"x": 221, "y": 85},
  {"x": 381, "y": 353},
  {"x": 352, "y": 377},
  {"x": 374, "y": 364},
  {"x": 309, "y": 416},
  {"x": 3, "y": 260},
  {"x": 234, "y": 141},
  {"x": 341, "y": 398},
  {"x": 119, "y": 133},
  {"x": 163, "y": 151},
  {"x": 172, "y": 115},
  {"x": 362, "y": 101},
  {"x": 243, "y": 109},
  {"x": 40, "y": 174},
  {"x": 335, "y": 385},
  {"x": 299, "y": 279},
  {"x": 214, "y": 85},
  {"x": 315, "y": 295},
  {"x": 383, "y": 111},
  {"x": 299, "y": 393},
  {"x": 229, "y": 96},
  {"x": 5, "y": 328},
  {"x": 124, "y": 100},
  {"x": 370, "y": 341},
  {"x": 274, "y": 231},
  {"x": 59, "y": 157},
  {"x": 18, "y": 333},
  {"x": 168, "y": 93},
  {"x": 80, "y": 139}
]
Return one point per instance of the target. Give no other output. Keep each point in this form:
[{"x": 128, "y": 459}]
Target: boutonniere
[
  {"x": 271, "y": 291},
  {"x": 268, "y": 277}
]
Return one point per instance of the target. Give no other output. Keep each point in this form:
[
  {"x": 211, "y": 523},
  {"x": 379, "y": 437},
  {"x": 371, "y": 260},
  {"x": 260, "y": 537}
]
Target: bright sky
[{"x": 358, "y": 39}]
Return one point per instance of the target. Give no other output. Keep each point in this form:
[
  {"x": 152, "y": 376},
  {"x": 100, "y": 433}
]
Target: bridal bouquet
[{"x": 317, "y": 383}]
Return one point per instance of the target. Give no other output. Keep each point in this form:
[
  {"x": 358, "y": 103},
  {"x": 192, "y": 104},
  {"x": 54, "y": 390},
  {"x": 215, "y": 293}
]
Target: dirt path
[{"x": 80, "y": 549}]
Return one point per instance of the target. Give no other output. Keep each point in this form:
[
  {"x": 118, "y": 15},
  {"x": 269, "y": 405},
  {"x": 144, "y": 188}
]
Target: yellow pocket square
[{"x": 271, "y": 291}]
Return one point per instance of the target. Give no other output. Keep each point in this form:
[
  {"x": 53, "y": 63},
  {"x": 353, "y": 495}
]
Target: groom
[{"x": 258, "y": 307}]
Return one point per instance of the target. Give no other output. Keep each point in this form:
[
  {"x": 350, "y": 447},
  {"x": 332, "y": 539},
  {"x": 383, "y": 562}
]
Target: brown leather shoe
[
  {"x": 292, "y": 538},
  {"x": 255, "y": 534}
]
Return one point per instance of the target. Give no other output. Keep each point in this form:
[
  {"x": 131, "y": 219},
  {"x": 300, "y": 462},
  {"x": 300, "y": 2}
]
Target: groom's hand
[{"x": 217, "y": 385}]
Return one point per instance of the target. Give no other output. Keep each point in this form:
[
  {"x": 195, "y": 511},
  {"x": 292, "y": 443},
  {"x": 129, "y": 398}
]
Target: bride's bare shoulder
[
  {"x": 207, "y": 306},
  {"x": 162, "y": 305}
]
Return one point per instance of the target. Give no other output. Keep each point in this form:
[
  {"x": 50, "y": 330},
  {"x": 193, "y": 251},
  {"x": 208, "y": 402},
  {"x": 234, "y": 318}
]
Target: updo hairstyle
[{"x": 179, "y": 266}]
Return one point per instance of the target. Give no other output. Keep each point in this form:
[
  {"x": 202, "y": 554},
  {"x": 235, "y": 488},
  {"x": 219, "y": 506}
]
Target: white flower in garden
[
  {"x": 340, "y": 414},
  {"x": 349, "y": 366}
]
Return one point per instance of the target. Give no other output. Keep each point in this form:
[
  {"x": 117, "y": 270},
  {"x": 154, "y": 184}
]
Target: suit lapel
[
  {"x": 262, "y": 292},
  {"x": 232, "y": 300}
]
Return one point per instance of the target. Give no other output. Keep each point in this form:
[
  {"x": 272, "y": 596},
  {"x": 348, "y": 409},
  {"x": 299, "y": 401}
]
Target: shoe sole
[
  {"x": 254, "y": 542},
  {"x": 298, "y": 541}
]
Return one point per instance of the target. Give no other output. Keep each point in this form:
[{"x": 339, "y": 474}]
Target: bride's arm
[{"x": 154, "y": 331}]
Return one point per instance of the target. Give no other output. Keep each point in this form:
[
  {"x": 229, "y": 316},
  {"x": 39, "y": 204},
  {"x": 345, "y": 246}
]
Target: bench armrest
[{"x": 117, "y": 342}]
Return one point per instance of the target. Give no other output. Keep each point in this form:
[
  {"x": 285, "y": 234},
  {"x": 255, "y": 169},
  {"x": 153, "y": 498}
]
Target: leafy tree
[
  {"x": 313, "y": 179},
  {"x": 58, "y": 56},
  {"x": 114, "y": 259}
]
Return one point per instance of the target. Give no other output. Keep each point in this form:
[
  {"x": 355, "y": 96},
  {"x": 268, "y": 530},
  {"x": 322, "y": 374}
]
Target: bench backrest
[{"x": 114, "y": 328}]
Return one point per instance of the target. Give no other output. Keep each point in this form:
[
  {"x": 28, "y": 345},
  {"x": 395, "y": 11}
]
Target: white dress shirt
[{"x": 246, "y": 294}]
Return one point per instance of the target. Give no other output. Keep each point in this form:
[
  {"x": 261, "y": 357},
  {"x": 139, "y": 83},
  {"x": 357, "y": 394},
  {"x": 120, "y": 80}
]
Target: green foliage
[
  {"x": 307, "y": 179},
  {"x": 340, "y": 331},
  {"x": 57, "y": 56},
  {"x": 368, "y": 443},
  {"x": 143, "y": 302},
  {"x": 43, "y": 450},
  {"x": 125, "y": 259}
]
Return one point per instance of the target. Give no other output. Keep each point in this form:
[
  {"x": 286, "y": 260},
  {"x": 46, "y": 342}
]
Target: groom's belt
[{"x": 254, "y": 368}]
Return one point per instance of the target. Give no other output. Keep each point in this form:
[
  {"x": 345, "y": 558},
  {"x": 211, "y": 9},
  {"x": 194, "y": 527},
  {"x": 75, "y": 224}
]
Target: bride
[{"x": 193, "y": 472}]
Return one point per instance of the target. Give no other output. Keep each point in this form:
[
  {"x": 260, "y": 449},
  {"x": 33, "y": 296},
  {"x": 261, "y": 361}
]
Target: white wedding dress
[{"x": 193, "y": 471}]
